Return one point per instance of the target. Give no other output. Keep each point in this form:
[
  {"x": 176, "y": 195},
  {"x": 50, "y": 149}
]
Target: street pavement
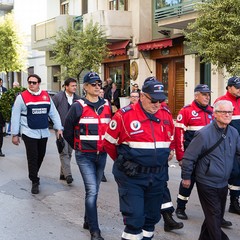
[{"x": 56, "y": 213}]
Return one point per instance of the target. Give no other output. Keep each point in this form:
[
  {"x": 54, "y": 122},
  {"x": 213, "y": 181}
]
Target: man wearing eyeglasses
[
  {"x": 138, "y": 140},
  {"x": 84, "y": 130},
  {"x": 233, "y": 95},
  {"x": 30, "y": 119},
  {"x": 210, "y": 155},
  {"x": 134, "y": 96}
]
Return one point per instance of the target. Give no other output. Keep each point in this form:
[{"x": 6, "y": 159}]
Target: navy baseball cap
[
  {"x": 154, "y": 88},
  {"x": 234, "y": 81},
  {"x": 91, "y": 77},
  {"x": 203, "y": 88}
]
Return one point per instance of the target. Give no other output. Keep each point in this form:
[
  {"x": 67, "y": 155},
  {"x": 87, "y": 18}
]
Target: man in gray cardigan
[
  {"x": 63, "y": 100},
  {"x": 212, "y": 168}
]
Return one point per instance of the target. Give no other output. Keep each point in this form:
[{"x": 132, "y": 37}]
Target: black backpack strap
[{"x": 223, "y": 136}]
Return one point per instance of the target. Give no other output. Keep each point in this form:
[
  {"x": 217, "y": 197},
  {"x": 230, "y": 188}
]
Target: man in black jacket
[{"x": 63, "y": 101}]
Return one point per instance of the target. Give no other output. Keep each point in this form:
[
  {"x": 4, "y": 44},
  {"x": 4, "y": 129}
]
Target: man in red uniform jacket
[{"x": 138, "y": 140}]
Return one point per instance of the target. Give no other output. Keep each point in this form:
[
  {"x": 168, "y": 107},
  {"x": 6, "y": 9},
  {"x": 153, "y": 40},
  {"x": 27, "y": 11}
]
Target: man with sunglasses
[
  {"x": 84, "y": 130},
  {"x": 233, "y": 95},
  {"x": 138, "y": 140},
  {"x": 30, "y": 119}
]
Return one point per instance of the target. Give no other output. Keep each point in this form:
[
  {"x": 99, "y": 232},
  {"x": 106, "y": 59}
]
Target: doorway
[
  {"x": 119, "y": 72},
  {"x": 171, "y": 73}
]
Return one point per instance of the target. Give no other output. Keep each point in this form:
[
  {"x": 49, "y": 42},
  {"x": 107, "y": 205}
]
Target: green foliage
[
  {"x": 215, "y": 35},
  {"x": 80, "y": 50},
  {"x": 13, "y": 57},
  {"x": 7, "y": 100}
]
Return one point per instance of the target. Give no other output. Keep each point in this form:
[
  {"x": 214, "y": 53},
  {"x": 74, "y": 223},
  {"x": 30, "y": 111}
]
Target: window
[
  {"x": 64, "y": 7},
  {"x": 118, "y": 5},
  {"x": 166, "y": 3}
]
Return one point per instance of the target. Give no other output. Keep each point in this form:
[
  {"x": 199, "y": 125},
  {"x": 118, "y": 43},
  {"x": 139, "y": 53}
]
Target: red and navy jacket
[
  {"x": 140, "y": 138},
  {"x": 190, "y": 119},
  {"x": 38, "y": 107},
  {"x": 236, "y": 111},
  {"x": 91, "y": 128}
]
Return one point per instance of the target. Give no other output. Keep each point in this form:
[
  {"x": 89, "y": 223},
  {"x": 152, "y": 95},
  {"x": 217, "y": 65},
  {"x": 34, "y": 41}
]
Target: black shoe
[
  {"x": 180, "y": 213},
  {"x": 170, "y": 223},
  {"x": 104, "y": 178},
  {"x": 69, "y": 179},
  {"x": 1, "y": 154},
  {"x": 234, "y": 205},
  {"x": 85, "y": 225},
  {"x": 62, "y": 177},
  {"x": 35, "y": 188},
  {"x": 96, "y": 236},
  {"x": 225, "y": 223}
]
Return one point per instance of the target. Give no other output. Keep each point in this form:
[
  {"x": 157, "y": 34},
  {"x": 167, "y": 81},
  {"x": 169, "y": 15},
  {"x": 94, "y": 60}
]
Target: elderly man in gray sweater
[{"x": 63, "y": 101}]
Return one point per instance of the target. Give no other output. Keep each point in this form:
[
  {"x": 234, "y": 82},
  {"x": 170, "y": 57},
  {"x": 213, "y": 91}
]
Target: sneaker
[
  {"x": 225, "y": 223},
  {"x": 1, "y": 154},
  {"x": 96, "y": 236},
  {"x": 180, "y": 213},
  {"x": 35, "y": 188},
  {"x": 69, "y": 179}
]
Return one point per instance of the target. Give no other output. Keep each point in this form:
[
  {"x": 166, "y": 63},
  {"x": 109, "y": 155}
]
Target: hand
[
  {"x": 130, "y": 168},
  {"x": 15, "y": 140},
  {"x": 186, "y": 183},
  {"x": 171, "y": 154},
  {"x": 59, "y": 133},
  {"x": 180, "y": 163}
]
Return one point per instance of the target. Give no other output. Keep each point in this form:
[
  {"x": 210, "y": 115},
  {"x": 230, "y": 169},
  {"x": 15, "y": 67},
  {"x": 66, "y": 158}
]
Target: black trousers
[
  {"x": 1, "y": 137},
  {"x": 213, "y": 201},
  {"x": 35, "y": 150}
]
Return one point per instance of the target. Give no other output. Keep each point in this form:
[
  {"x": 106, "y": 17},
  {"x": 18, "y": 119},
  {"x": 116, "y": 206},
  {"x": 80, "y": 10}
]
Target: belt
[{"x": 142, "y": 169}]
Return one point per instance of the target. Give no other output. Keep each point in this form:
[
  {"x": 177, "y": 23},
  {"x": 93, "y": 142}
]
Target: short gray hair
[{"x": 220, "y": 103}]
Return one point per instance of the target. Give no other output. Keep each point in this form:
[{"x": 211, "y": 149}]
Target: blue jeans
[{"x": 91, "y": 166}]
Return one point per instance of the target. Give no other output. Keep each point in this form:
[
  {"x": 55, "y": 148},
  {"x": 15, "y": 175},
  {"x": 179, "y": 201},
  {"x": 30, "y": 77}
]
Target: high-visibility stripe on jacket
[{"x": 90, "y": 132}]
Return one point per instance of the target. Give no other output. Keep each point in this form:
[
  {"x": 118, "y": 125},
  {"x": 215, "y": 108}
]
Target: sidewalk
[{"x": 56, "y": 213}]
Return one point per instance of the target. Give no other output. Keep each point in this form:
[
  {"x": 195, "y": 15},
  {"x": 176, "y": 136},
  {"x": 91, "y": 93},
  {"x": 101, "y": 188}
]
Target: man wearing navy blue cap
[
  {"x": 233, "y": 95},
  {"x": 190, "y": 118},
  {"x": 138, "y": 140},
  {"x": 84, "y": 130}
]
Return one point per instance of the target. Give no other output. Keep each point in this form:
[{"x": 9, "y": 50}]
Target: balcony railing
[{"x": 176, "y": 10}]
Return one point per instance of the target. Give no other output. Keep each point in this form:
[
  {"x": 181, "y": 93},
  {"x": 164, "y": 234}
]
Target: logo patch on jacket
[
  {"x": 113, "y": 125},
  {"x": 135, "y": 125}
]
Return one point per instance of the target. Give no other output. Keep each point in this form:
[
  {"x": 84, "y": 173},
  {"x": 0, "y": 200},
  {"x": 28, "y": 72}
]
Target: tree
[
  {"x": 215, "y": 35},
  {"x": 13, "y": 57},
  {"x": 80, "y": 50}
]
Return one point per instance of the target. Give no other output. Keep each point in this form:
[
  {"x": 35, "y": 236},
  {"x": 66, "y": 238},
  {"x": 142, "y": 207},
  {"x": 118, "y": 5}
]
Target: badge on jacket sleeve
[
  {"x": 135, "y": 125},
  {"x": 113, "y": 125}
]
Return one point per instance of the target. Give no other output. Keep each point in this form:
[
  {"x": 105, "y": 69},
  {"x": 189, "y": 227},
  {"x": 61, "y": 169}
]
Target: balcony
[
  {"x": 117, "y": 24},
  {"x": 6, "y": 5},
  {"x": 43, "y": 33},
  {"x": 177, "y": 16}
]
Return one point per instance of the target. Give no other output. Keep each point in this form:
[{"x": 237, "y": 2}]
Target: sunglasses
[
  {"x": 154, "y": 100},
  {"x": 96, "y": 84},
  {"x": 31, "y": 82}
]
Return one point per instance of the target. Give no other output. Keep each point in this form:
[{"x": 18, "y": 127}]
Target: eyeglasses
[
  {"x": 225, "y": 112},
  {"x": 134, "y": 96},
  {"x": 31, "y": 82},
  {"x": 96, "y": 84},
  {"x": 154, "y": 100}
]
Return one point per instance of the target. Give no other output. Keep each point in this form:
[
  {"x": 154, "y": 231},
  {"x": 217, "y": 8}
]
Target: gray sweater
[{"x": 215, "y": 168}]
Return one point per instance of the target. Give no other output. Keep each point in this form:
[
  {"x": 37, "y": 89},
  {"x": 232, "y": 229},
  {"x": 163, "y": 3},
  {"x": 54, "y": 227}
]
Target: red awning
[
  {"x": 156, "y": 44},
  {"x": 118, "y": 48}
]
